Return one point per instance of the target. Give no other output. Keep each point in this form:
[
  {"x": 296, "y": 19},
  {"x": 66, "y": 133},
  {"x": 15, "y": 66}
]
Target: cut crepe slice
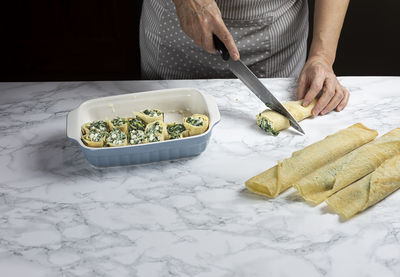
[
  {"x": 272, "y": 122},
  {"x": 279, "y": 178},
  {"x": 327, "y": 180},
  {"x": 150, "y": 115},
  {"x": 367, "y": 191},
  {"x": 196, "y": 124}
]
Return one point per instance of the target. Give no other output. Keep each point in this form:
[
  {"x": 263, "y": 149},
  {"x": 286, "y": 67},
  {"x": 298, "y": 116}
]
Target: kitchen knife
[{"x": 254, "y": 84}]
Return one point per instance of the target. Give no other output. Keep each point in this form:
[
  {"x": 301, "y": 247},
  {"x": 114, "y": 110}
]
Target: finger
[
  {"x": 336, "y": 99},
  {"x": 327, "y": 95},
  {"x": 208, "y": 43},
  {"x": 314, "y": 89},
  {"x": 344, "y": 101},
  {"x": 225, "y": 36},
  {"x": 301, "y": 87}
]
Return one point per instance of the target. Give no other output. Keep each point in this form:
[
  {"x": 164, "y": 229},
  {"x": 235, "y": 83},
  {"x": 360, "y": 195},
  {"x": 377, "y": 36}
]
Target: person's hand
[
  {"x": 317, "y": 75},
  {"x": 200, "y": 19}
]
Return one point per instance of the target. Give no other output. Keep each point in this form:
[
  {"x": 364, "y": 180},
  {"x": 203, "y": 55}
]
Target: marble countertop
[{"x": 59, "y": 216}]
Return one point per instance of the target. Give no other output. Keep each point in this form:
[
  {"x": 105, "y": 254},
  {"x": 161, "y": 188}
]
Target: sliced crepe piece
[
  {"x": 196, "y": 124},
  {"x": 137, "y": 137},
  {"x": 118, "y": 123},
  {"x": 135, "y": 123},
  {"x": 327, "y": 180},
  {"x": 176, "y": 130},
  {"x": 94, "y": 126},
  {"x": 282, "y": 176},
  {"x": 116, "y": 138},
  {"x": 150, "y": 115},
  {"x": 155, "y": 131},
  {"x": 94, "y": 138},
  {"x": 367, "y": 191},
  {"x": 272, "y": 122}
]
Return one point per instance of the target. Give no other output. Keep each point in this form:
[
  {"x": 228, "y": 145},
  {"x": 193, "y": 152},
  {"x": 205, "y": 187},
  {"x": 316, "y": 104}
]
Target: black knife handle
[{"x": 220, "y": 46}]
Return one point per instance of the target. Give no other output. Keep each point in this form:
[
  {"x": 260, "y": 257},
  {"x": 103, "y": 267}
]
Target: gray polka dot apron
[{"x": 271, "y": 36}]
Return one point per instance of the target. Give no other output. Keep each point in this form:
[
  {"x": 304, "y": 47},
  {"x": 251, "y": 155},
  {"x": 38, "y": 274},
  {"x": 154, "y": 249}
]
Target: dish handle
[
  {"x": 72, "y": 118},
  {"x": 213, "y": 108}
]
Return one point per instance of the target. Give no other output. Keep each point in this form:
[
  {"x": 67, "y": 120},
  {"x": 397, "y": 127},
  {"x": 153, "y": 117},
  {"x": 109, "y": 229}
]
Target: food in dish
[
  {"x": 135, "y": 123},
  {"x": 135, "y": 130},
  {"x": 325, "y": 181},
  {"x": 155, "y": 131},
  {"x": 196, "y": 124},
  {"x": 303, "y": 162},
  {"x": 137, "y": 137},
  {"x": 367, "y": 191},
  {"x": 116, "y": 138},
  {"x": 151, "y": 115},
  {"x": 118, "y": 123},
  {"x": 176, "y": 130},
  {"x": 272, "y": 122}
]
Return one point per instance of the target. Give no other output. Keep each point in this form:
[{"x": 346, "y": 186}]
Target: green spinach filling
[
  {"x": 175, "y": 130},
  {"x": 116, "y": 137},
  {"x": 118, "y": 121},
  {"x": 267, "y": 127},
  {"x": 153, "y": 133},
  {"x": 98, "y": 126},
  {"x": 137, "y": 137},
  {"x": 136, "y": 124},
  {"x": 152, "y": 113},
  {"x": 96, "y": 136},
  {"x": 194, "y": 121}
]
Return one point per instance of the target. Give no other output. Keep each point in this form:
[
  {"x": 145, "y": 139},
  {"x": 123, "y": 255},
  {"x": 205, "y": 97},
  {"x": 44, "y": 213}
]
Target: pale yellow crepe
[
  {"x": 367, "y": 191},
  {"x": 199, "y": 126},
  {"x": 327, "y": 180},
  {"x": 279, "y": 178},
  {"x": 272, "y": 122}
]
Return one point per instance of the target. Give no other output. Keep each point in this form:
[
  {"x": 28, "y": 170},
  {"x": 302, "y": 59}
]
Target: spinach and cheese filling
[
  {"x": 116, "y": 138},
  {"x": 195, "y": 121},
  {"x": 175, "y": 130},
  {"x": 137, "y": 137},
  {"x": 196, "y": 124},
  {"x": 155, "y": 131},
  {"x": 266, "y": 126},
  {"x": 96, "y": 136},
  {"x": 118, "y": 121},
  {"x": 97, "y": 126},
  {"x": 152, "y": 113},
  {"x": 136, "y": 123}
]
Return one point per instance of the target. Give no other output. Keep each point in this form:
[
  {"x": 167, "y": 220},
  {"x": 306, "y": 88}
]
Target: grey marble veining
[{"x": 192, "y": 217}]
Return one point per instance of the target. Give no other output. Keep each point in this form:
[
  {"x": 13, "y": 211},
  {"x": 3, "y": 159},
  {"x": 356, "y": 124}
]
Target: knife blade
[{"x": 240, "y": 70}]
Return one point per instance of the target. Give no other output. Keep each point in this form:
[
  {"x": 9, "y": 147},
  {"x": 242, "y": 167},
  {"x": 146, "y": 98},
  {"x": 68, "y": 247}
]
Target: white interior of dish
[{"x": 175, "y": 103}]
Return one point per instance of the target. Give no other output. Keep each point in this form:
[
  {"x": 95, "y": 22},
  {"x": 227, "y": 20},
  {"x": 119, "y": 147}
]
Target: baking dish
[{"x": 176, "y": 103}]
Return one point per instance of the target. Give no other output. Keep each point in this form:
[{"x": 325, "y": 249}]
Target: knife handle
[{"x": 220, "y": 46}]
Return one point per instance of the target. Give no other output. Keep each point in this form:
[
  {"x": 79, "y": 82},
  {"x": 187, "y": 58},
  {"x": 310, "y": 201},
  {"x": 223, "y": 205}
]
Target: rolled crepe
[
  {"x": 150, "y": 115},
  {"x": 367, "y": 191},
  {"x": 116, "y": 138},
  {"x": 135, "y": 123},
  {"x": 196, "y": 124},
  {"x": 155, "y": 131},
  {"x": 327, "y": 180},
  {"x": 94, "y": 139},
  {"x": 118, "y": 123},
  {"x": 176, "y": 130},
  {"x": 280, "y": 177},
  {"x": 272, "y": 122}
]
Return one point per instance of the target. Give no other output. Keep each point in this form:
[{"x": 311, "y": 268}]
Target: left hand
[{"x": 317, "y": 75}]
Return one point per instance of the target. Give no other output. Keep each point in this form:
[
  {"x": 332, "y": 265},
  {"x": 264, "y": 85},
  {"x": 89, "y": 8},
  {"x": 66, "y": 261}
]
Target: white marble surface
[{"x": 193, "y": 217}]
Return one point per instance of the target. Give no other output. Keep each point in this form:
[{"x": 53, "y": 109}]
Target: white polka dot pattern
[{"x": 271, "y": 36}]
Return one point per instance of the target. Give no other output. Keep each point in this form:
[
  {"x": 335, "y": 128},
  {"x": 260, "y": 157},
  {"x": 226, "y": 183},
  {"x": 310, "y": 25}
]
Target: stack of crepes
[{"x": 326, "y": 167}]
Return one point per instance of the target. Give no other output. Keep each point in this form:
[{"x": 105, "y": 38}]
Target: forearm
[{"x": 328, "y": 21}]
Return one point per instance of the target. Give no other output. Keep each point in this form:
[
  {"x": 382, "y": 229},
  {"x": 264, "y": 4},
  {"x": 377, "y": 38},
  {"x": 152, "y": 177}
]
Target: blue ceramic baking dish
[{"x": 175, "y": 103}]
